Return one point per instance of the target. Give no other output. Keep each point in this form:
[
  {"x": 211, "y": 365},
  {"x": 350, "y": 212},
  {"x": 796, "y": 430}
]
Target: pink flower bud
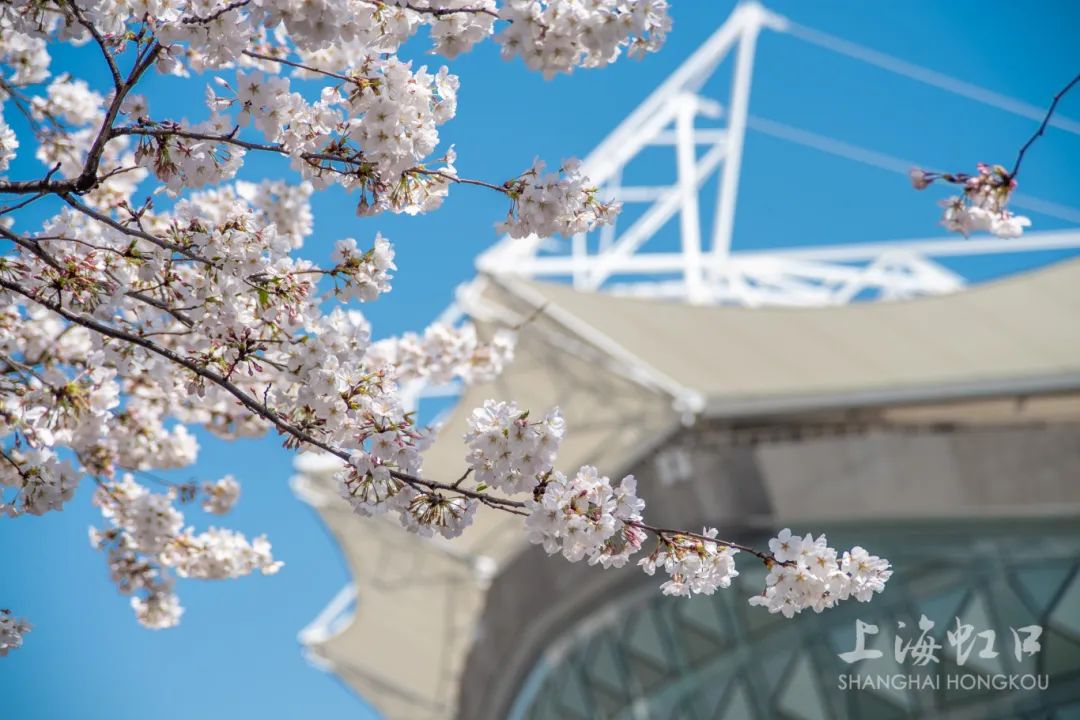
[{"x": 919, "y": 178}]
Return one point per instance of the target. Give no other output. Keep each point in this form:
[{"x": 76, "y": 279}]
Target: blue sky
[{"x": 235, "y": 654}]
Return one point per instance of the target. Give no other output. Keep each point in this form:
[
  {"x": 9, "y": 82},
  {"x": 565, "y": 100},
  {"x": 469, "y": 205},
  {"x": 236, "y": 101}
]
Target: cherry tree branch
[
  {"x": 196, "y": 20},
  {"x": 128, "y": 230},
  {"x": 247, "y": 400},
  {"x": 280, "y": 149},
  {"x": 1042, "y": 128},
  {"x": 442, "y": 12},
  {"x": 88, "y": 178},
  {"x": 262, "y": 410},
  {"x": 114, "y": 71},
  {"x": 668, "y": 534},
  {"x": 299, "y": 66}
]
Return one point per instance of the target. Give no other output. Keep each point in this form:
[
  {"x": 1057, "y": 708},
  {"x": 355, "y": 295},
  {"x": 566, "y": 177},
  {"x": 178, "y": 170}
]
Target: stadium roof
[
  {"x": 627, "y": 373},
  {"x": 1016, "y": 336}
]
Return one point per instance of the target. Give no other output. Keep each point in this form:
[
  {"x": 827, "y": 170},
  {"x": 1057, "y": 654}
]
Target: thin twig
[
  {"x": 1042, "y": 128},
  {"x": 441, "y": 12},
  {"x": 299, "y": 66},
  {"x": 196, "y": 20},
  {"x": 100, "y": 40},
  {"x": 160, "y": 242},
  {"x": 666, "y": 534},
  {"x": 245, "y": 398}
]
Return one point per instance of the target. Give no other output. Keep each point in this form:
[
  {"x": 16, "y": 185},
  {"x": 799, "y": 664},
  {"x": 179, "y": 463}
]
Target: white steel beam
[
  {"x": 616, "y": 149},
  {"x": 823, "y": 261},
  {"x": 650, "y": 222},
  {"x": 930, "y": 247},
  {"x": 689, "y": 216},
  {"x": 739, "y": 104},
  {"x": 702, "y": 136}
]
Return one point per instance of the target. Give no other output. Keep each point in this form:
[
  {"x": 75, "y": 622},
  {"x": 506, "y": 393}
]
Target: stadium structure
[{"x": 861, "y": 390}]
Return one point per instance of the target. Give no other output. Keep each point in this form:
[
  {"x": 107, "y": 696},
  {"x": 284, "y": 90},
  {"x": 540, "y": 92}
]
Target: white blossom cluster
[
  {"x": 555, "y": 36},
  {"x": 584, "y": 516},
  {"x": 252, "y": 314},
  {"x": 22, "y": 49},
  {"x": 34, "y": 481},
  {"x": 370, "y": 487},
  {"x": 372, "y": 484},
  {"x": 372, "y": 127},
  {"x": 70, "y": 99},
  {"x": 694, "y": 564},
  {"x": 366, "y": 274},
  {"x": 146, "y": 541},
  {"x": 219, "y": 553},
  {"x": 561, "y": 203},
  {"x": 453, "y": 33},
  {"x": 8, "y": 145},
  {"x": 507, "y": 451},
  {"x": 807, "y": 573},
  {"x": 444, "y": 352},
  {"x": 431, "y": 512},
  {"x": 982, "y": 206},
  {"x": 12, "y": 631},
  {"x": 286, "y": 207},
  {"x": 220, "y": 496}
]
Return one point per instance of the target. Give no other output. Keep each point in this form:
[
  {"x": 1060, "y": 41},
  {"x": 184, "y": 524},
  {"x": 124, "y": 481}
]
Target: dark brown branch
[
  {"x": 89, "y": 174},
  {"x": 46, "y": 186},
  {"x": 1042, "y": 127},
  {"x": 278, "y": 148},
  {"x": 128, "y": 230},
  {"x": 666, "y": 534},
  {"x": 31, "y": 246},
  {"x": 228, "y": 140},
  {"x": 299, "y": 66},
  {"x": 88, "y": 179},
  {"x": 196, "y": 20},
  {"x": 100, "y": 40},
  {"x": 245, "y": 399},
  {"x": 19, "y": 206},
  {"x": 456, "y": 179},
  {"x": 442, "y": 12}
]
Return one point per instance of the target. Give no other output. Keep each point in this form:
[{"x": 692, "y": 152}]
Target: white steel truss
[{"x": 707, "y": 138}]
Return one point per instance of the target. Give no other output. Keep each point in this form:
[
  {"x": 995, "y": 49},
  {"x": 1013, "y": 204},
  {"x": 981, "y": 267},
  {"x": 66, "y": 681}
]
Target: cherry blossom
[
  {"x": 8, "y": 145},
  {"x": 219, "y": 497},
  {"x": 555, "y": 36},
  {"x": 694, "y": 563},
  {"x": 982, "y": 206},
  {"x": 12, "y": 631},
  {"x": 555, "y": 203},
  {"x": 146, "y": 543},
  {"x": 577, "y": 515},
  {"x": 507, "y": 450},
  {"x": 806, "y": 573},
  {"x": 218, "y": 553},
  {"x": 166, "y": 291},
  {"x": 366, "y": 274},
  {"x": 39, "y": 479},
  {"x": 444, "y": 352}
]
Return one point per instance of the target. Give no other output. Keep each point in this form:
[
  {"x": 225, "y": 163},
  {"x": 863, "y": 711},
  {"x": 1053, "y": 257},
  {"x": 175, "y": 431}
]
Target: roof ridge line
[{"x": 685, "y": 400}]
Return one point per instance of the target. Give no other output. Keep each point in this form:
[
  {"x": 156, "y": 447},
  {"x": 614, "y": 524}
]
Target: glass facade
[{"x": 643, "y": 655}]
